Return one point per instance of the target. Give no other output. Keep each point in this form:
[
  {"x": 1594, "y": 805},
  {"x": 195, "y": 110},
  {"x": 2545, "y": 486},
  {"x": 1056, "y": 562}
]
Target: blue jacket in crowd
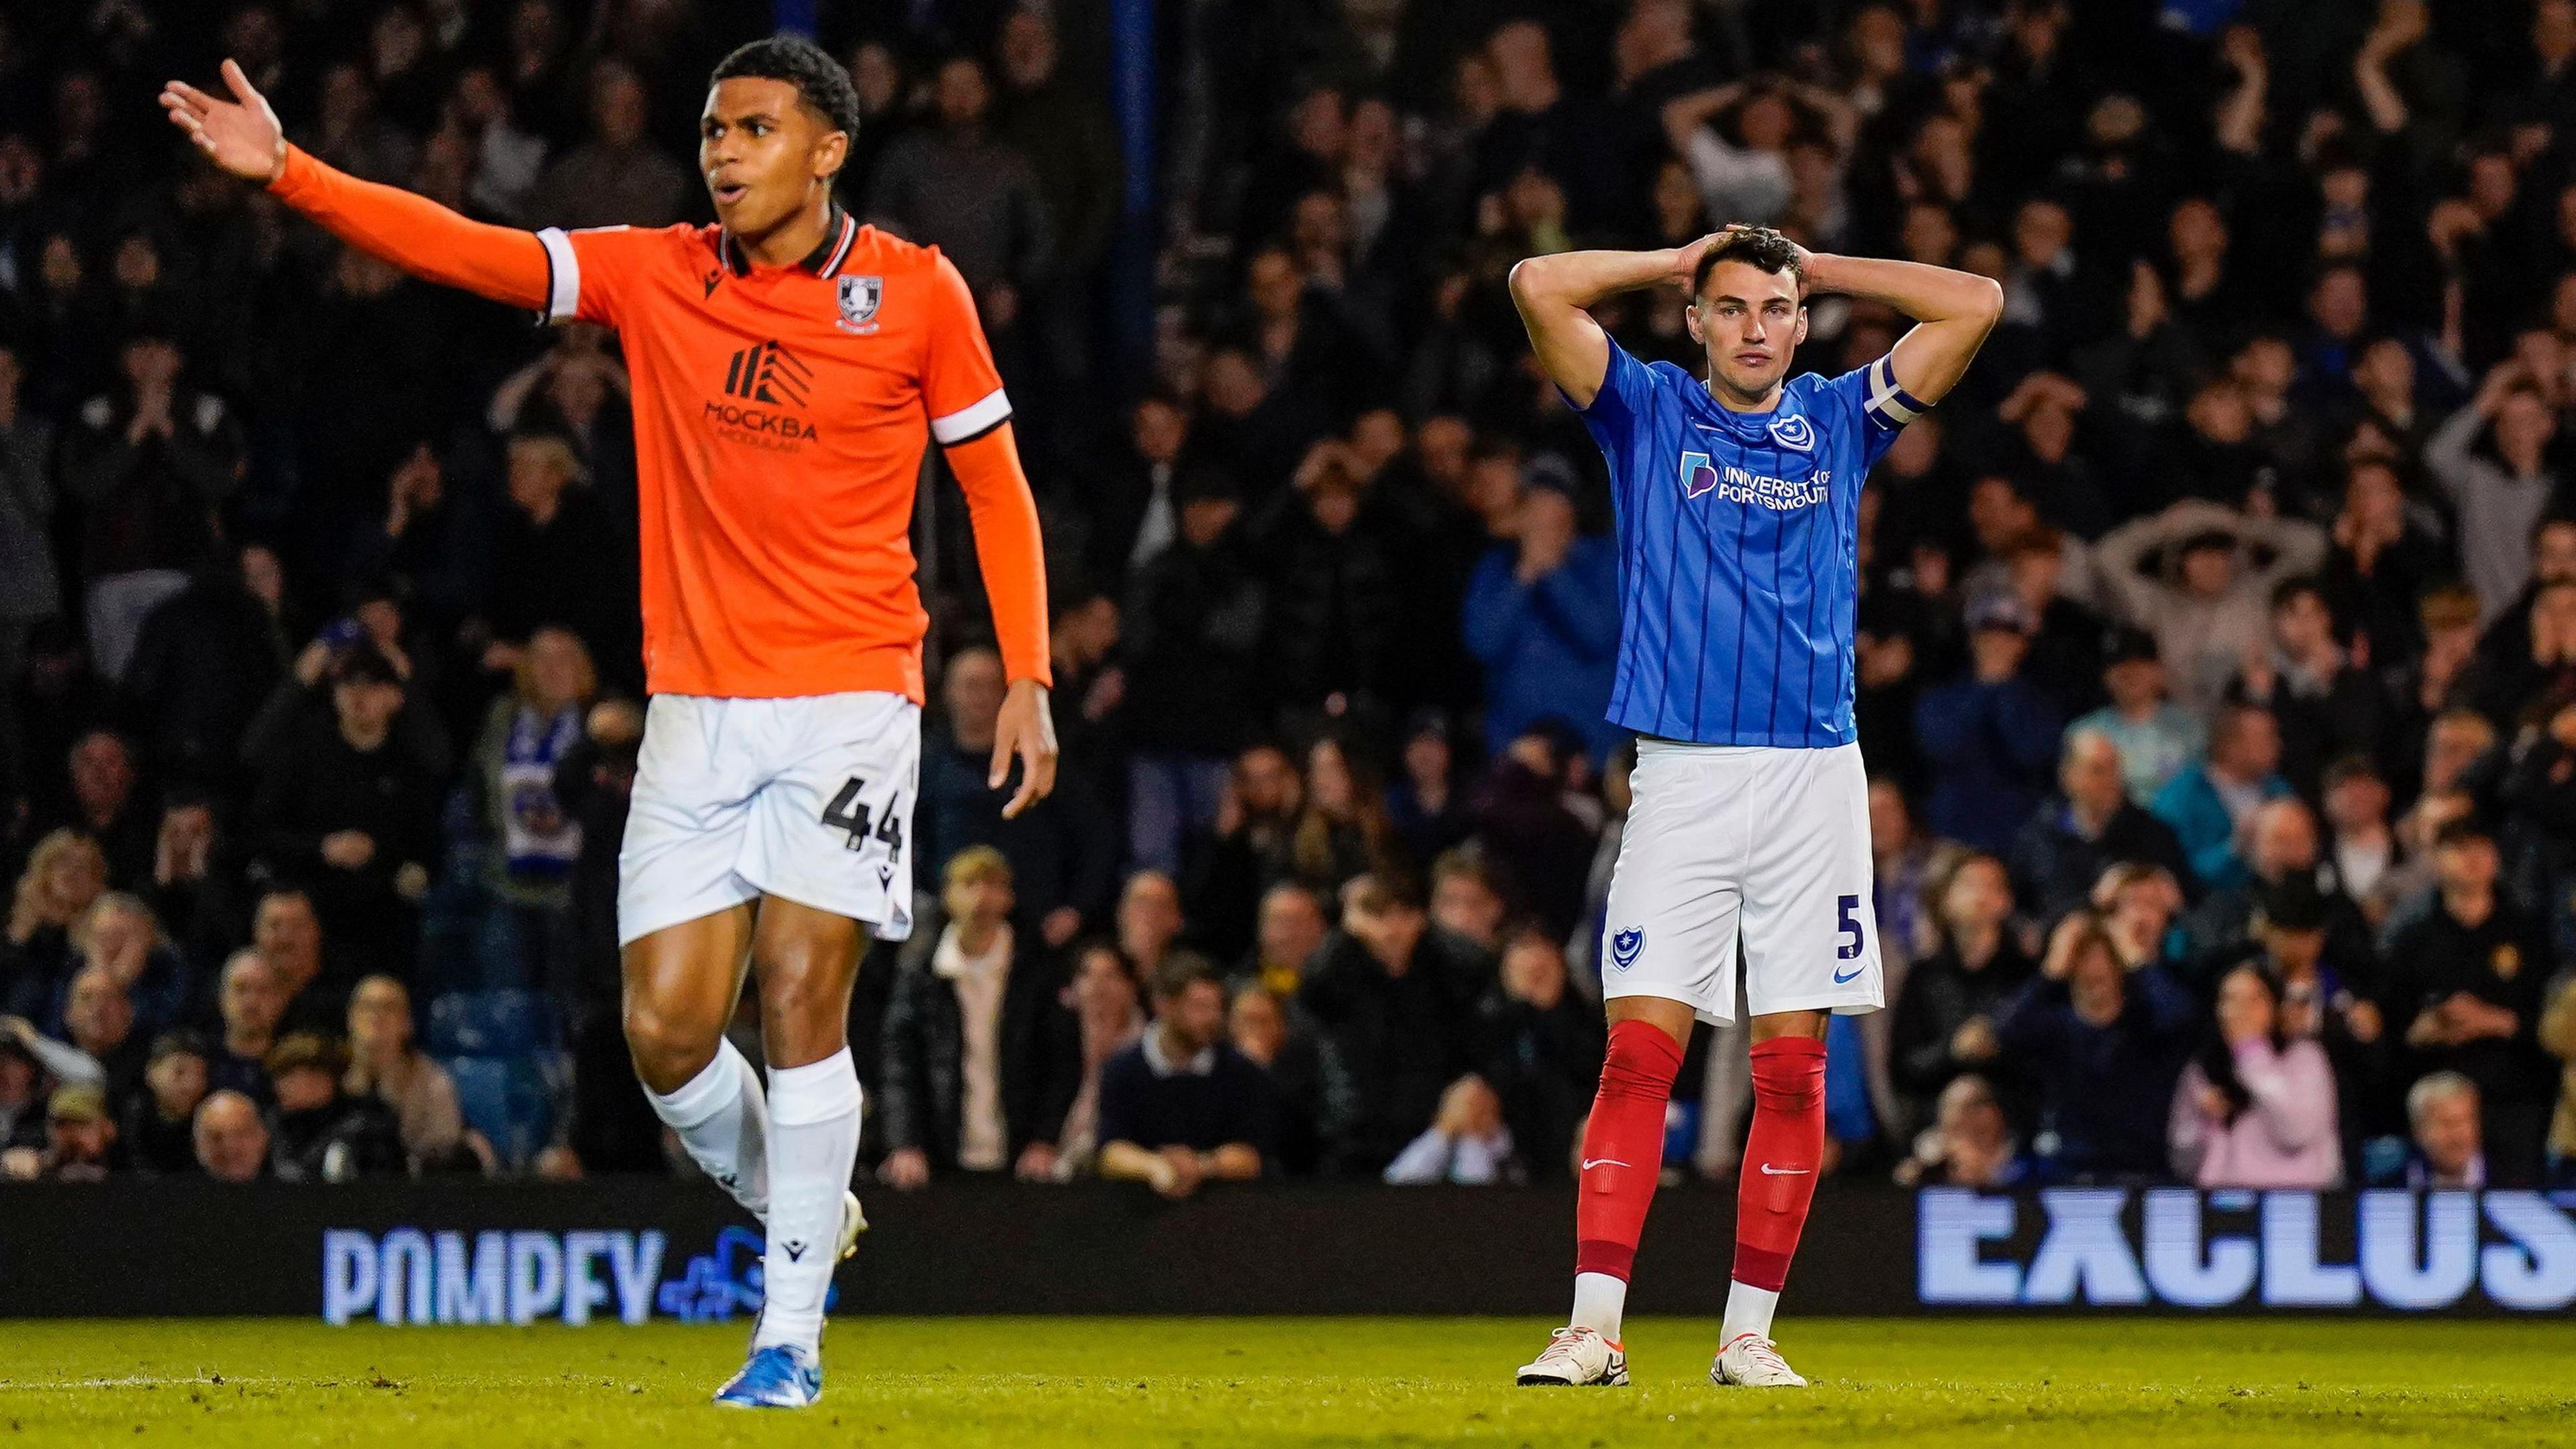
[{"x": 1550, "y": 648}]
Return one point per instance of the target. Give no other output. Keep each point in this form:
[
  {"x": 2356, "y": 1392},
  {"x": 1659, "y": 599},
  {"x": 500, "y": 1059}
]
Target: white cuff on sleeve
[
  {"x": 563, "y": 269},
  {"x": 972, "y": 419}
]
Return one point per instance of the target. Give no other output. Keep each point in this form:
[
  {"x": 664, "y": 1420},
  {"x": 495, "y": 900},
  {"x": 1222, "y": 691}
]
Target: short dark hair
[
  {"x": 1177, "y": 972},
  {"x": 1757, "y": 246},
  {"x": 2290, "y": 591},
  {"x": 821, "y": 82}
]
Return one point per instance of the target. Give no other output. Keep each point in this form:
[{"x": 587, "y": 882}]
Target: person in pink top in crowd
[{"x": 2256, "y": 1108}]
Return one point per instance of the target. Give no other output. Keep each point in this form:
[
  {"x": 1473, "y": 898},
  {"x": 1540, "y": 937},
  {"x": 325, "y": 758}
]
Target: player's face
[
  {"x": 1750, "y": 321},
  {"x": 763, "y": 152}
]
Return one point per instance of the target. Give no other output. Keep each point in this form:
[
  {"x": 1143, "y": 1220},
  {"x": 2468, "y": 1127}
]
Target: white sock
[
  {"x": 1748, "y": 1310},
  {"x": 1599, "y": 1299},
  {"x": 720, "y": 1119},
  {"x": 813, "y": 1146}
]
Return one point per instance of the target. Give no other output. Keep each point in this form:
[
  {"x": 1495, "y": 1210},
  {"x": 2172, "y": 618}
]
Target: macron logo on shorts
[{"x": 1626, "y": 946}]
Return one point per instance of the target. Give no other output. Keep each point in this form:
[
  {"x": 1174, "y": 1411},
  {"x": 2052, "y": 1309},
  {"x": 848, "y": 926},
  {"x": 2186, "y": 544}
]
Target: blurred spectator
[
  {"x": 232, "y": 1139},
  {"x": 1467, "y": 1142},
  {"x": 1149, "y": 921},
  {"x": 98, "y": 1046},
  {"x": 1256, "y": 1021},
  {"x": 1526, "y": 821},
  {"x": 2090, "y": 826},
  {"x": 2256, "y": 1107},
  {"x": 120, "y": 937},
  {"x": 346, "y": 807},
  {"x": 194, "y": 890},
  {"x": 250, "y": 1003},
  {"x": 1989, "y": 735},
  {"x": 2444, "y": 1120},
  {"x": 1062, "y": 850},
  {"x": 554, "y": 553},
  {"x": 1109, "y": 1015},
  {"x": 1544, "y": 620},
  {"x": 2207, "y": 609},
  {"x": 1423, "y": 804},
  {"x": 1390, "y": 1002},
  {"x": 147, "y": 463},
  {"x": 203, "y": 661},
  {"x": 2103, "y": 1045},
  {"x": 2210, "y": 804},
  {"x": 106, "y": 805},
  {"x": 64, "y": 875},
  {"x": 2557, "y": 1036},
  {"x": 1343, "y": 829},
  {"x": 1466, "y": 899},
  {"x": 617, "y": 177},
  {"x": 385, "y": 1065},
  {"x": 532, "y": 844},
  {"x": 22, "y": 1101},
  {"x": 2280, "y": 843},
  {"x": 1540, "y": 1058},
  {"x": 158, "y": 1127},
  {"x": 2325, "y": 707},
  {"x": 1251, "y": 847},
  {"x": 981, "y": 1057},
  {"x": 2361, "y": 846},
  {"x": 1182, "y": 1107},
  {"x": 314, "y": 985},
  {"x": 2465, "y": 983},
  {"x": 1193, "y": 622},
  {"x": 1293, "y": 927},
  {"x": 1944, "y": 1018},
  {"x": 1969, "y": 1144},
  {"x": 954, "y": 186},
  {"x": 320, "y": 1133},
  {"x": 2500, "y": 494},
  {"x": 80, "y": 1141}
]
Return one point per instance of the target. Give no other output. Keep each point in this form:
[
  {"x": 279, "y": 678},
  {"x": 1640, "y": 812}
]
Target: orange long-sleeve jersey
[{"x": 780, "y": 419}]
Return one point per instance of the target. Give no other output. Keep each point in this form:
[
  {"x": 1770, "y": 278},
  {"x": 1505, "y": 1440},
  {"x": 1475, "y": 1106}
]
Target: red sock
[
  {"x": 1778, "y": 1178},
  {"x": 1623, "y": 1147}
]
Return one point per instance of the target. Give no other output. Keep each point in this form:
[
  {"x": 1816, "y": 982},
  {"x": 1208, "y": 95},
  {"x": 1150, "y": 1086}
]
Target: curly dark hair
[
  {"x": 1762, "y": 247},
  {"x": 820, "y": 81}
]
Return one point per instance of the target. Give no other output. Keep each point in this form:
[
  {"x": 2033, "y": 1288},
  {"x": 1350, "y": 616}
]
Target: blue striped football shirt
[{"x": 1739, "y": 550}]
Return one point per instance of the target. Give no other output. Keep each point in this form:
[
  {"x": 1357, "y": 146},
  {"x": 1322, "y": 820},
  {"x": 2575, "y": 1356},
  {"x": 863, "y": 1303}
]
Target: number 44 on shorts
[{"x": 847, "y": 812}]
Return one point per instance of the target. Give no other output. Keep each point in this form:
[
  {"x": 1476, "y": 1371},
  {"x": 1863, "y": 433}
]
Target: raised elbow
[
  {"x": 1988, "y": 301},
  {"x": 1527, "y": 280}
]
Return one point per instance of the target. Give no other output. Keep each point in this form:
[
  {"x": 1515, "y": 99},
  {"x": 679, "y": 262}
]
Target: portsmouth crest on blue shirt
[
  {"x": 1793, "y": 432},
  {"x": 859, "y": 298},
  {"x": 1626, "y": 946},
  {"x": 1697, "y": 476}
]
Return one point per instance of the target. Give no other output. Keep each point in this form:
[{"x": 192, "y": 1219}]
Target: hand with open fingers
[
  {"x": 240, "y": 135},
  {"x": 1025, "y": 731}
]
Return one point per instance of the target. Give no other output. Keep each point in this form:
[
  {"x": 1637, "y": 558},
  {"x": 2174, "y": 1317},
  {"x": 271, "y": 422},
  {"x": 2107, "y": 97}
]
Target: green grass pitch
[{"x": 1095, "y": 1382}]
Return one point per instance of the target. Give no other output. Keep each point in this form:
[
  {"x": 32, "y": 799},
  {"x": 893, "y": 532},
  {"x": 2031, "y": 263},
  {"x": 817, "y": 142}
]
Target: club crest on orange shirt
[{"x": 859, "y": 299}]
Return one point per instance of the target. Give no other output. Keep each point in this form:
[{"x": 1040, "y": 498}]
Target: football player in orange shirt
[{"x": 789, "y": 367}]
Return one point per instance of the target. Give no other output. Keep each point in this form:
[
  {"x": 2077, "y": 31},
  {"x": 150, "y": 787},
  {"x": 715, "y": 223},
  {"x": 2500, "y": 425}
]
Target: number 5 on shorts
[{"x": 1849, "y": 950}]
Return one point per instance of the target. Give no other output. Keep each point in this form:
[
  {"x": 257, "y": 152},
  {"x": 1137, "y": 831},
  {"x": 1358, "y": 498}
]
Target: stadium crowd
[{"x": 2218, "y": 657}]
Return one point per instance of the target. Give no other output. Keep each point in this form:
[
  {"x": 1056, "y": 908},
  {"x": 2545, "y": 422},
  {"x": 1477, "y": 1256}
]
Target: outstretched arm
[
  {"x": 412, "y": 232},
  {"x": 1004, "y": 515},
  {"x": 1952, "y": 311},
  {"x": 1555, "y": 292}
]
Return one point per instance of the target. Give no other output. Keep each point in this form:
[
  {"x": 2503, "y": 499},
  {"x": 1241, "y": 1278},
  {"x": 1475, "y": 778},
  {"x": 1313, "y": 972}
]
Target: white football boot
[
  {"x": 1750, "y": 1360},
  {"x": 1577, "y": 1356},
  {"x": 854, "y": 1221}
]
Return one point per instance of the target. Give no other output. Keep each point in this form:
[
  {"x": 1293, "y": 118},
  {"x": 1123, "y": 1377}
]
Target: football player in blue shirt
[{"x": 1737, "y": 495}]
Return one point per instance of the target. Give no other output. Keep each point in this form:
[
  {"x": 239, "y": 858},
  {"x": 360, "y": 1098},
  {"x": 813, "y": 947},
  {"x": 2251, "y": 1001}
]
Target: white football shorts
[
  {"x": 1767, "y": 842},
  {"x": 808, "y": 799}
]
